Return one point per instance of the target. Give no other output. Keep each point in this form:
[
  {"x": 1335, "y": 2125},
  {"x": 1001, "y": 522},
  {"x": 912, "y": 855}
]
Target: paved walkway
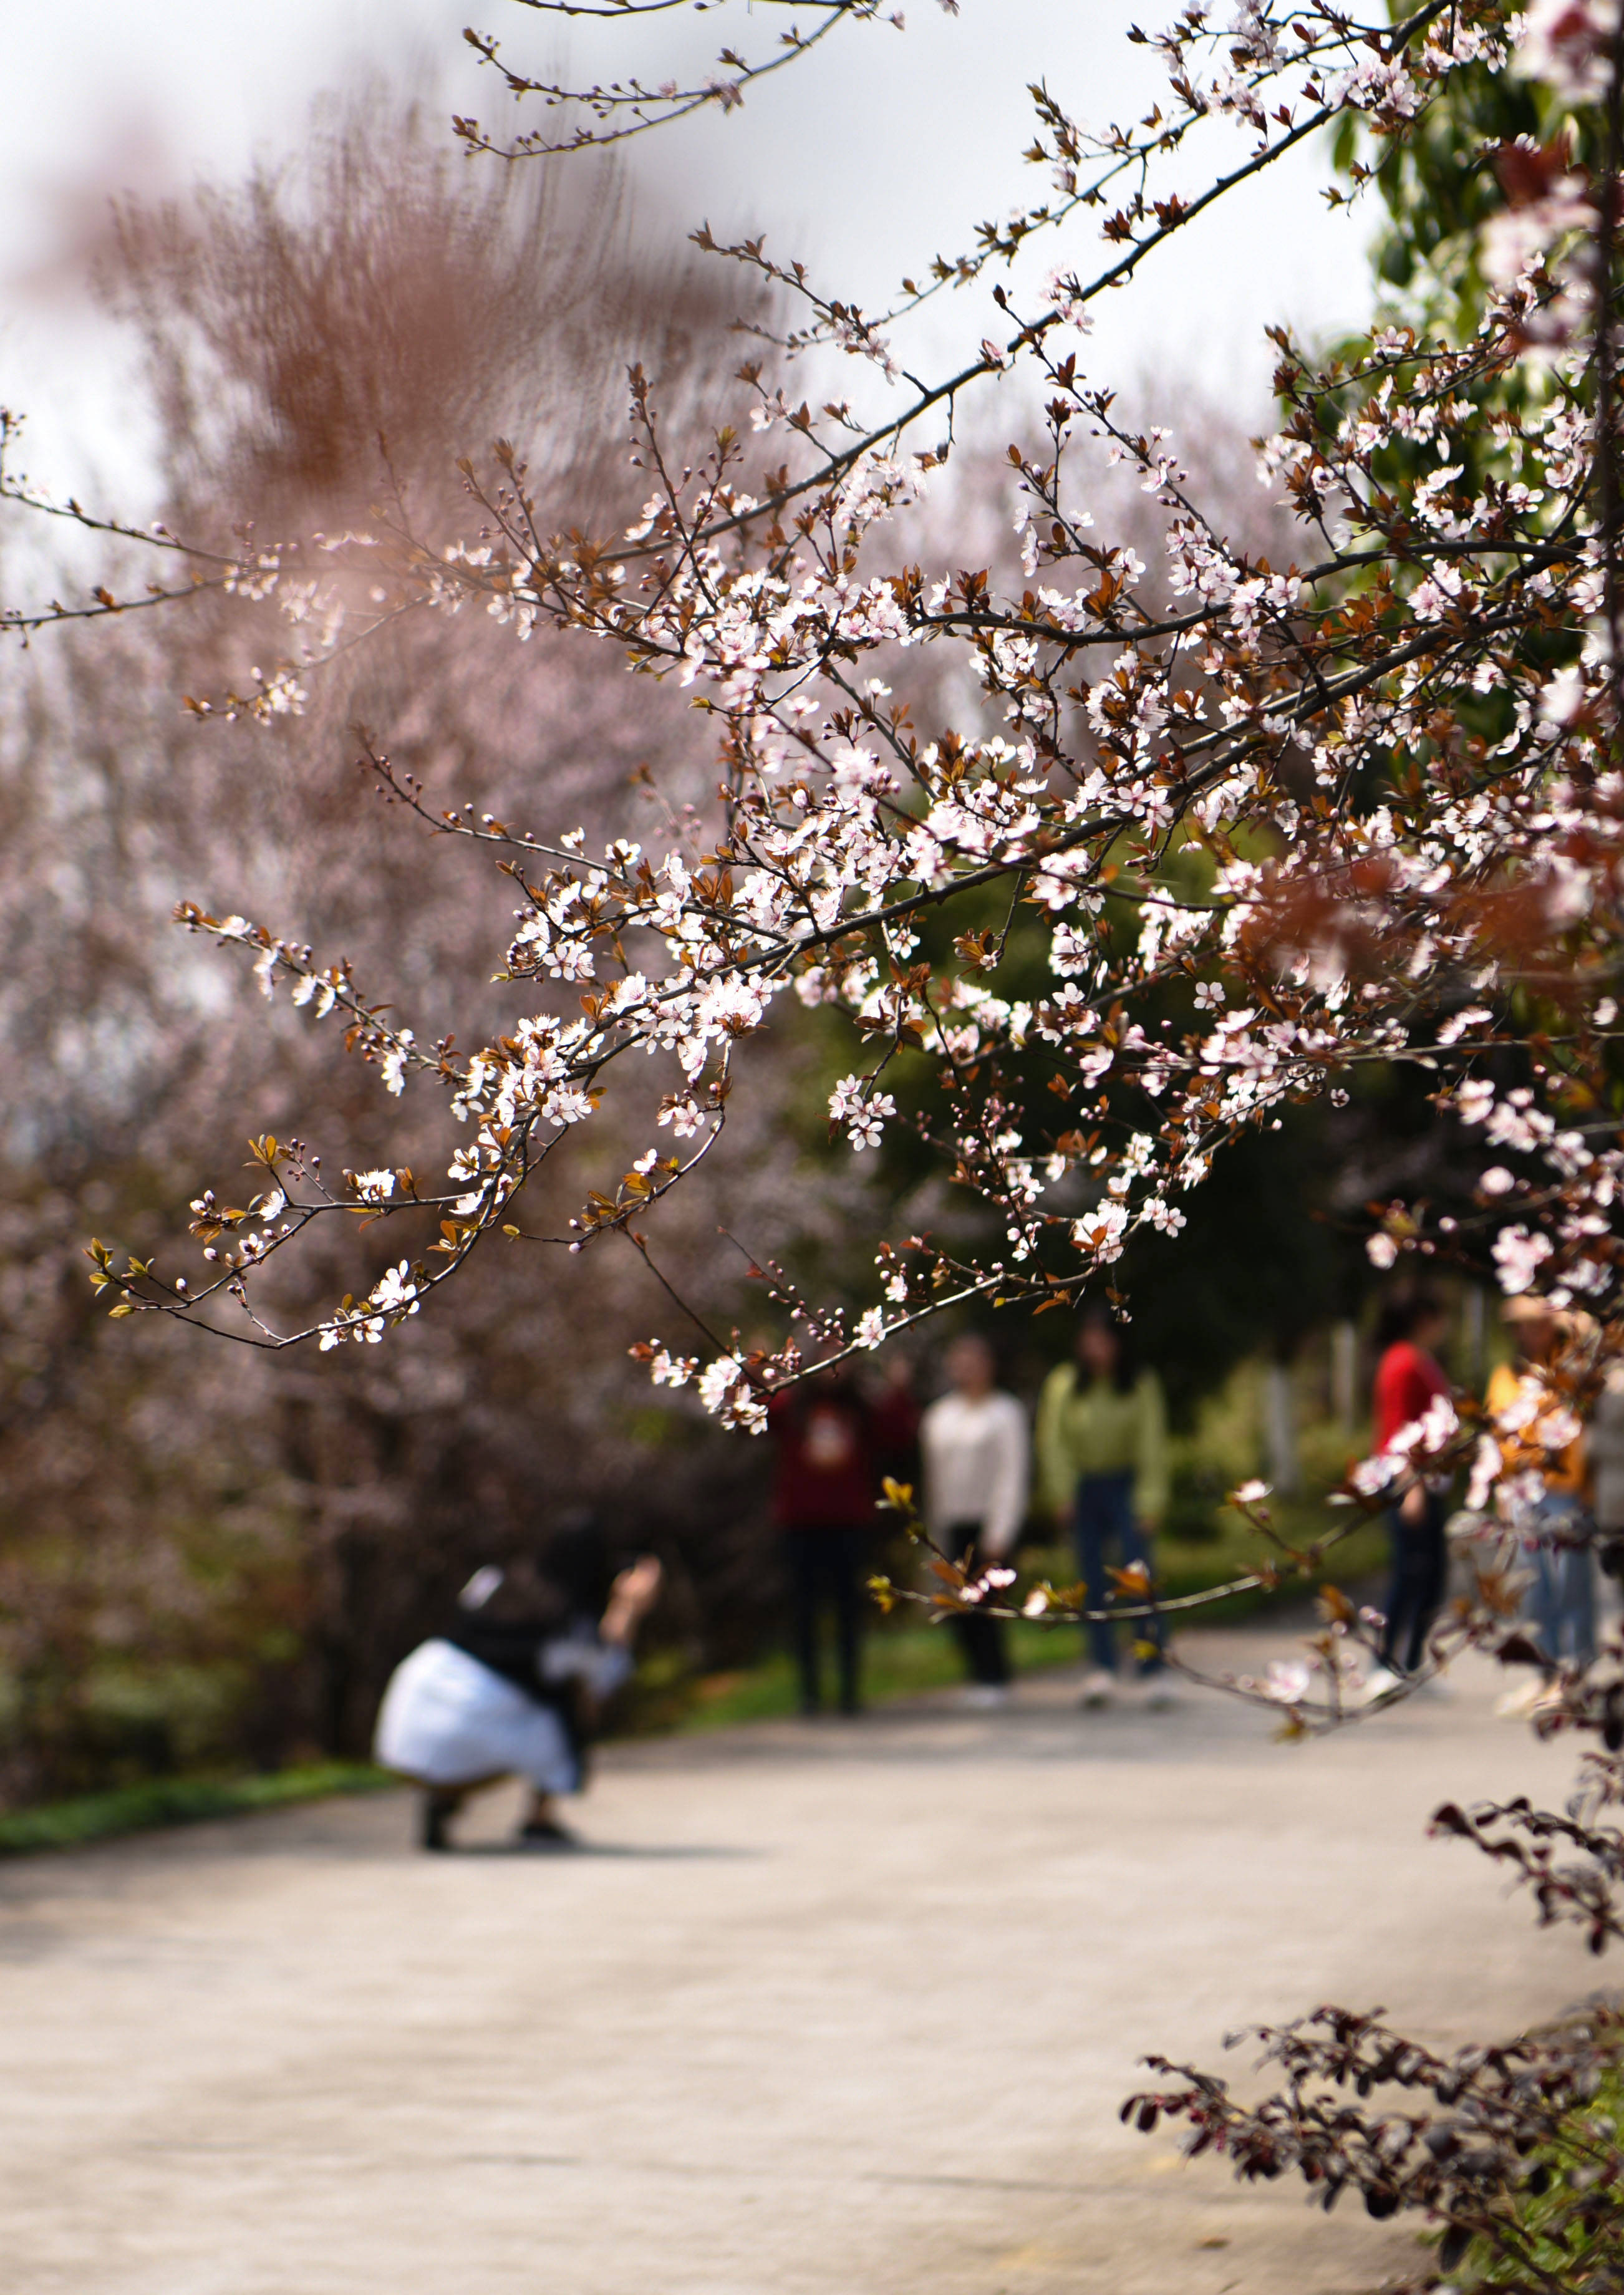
[{"x": 843, "y": 2009}]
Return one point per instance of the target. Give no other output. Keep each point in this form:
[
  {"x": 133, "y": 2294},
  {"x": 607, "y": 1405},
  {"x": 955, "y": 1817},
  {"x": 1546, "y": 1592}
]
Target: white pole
[
  {"x": 1344, "y": 1374},
  {"x": 1477, "y": 1340},
  {"x": 1280, "y": 1429}
]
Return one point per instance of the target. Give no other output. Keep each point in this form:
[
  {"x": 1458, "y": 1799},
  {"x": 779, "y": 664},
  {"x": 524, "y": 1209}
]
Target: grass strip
[{"x": 176, "y": 1800}]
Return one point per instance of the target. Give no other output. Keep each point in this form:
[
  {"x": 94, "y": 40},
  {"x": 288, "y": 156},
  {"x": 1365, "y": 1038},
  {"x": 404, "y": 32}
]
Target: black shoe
[
  {"x": 433, "y": 1819},
  {"x": 546, "y": 1832}
]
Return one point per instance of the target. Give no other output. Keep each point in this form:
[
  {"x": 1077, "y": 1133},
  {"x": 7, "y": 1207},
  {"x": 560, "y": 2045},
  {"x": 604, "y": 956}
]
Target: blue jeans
[
  {"x": 1561, "y": 1600},
  {"x": 1104, "y": 1530}
]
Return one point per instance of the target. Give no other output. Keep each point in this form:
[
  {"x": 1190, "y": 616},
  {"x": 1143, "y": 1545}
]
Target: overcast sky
[{"x": 879, "y": 151}]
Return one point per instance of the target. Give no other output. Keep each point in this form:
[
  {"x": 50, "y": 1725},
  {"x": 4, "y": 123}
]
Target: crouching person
[{"x": 515, "y": 1685}]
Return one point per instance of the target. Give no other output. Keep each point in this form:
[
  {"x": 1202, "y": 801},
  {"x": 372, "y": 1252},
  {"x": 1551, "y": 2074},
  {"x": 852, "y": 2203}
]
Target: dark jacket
[{"x": 827, "y": 1474}]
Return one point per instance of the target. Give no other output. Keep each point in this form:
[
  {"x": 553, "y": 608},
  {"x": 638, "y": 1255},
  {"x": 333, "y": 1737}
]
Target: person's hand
[
  {"x": 1412, "y": 1505},
  {"x": 632, "y": 1596}
]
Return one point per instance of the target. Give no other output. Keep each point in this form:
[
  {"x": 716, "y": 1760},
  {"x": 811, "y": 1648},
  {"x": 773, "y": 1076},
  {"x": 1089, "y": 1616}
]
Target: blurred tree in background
[
  {"x": 277, "y": 1534},
  {"x": 274, "y": 1537}
]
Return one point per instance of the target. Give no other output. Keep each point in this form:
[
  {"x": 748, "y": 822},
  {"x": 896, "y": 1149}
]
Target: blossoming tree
[
  {"x": 1359, "y": 808},
  {"x": 1274, "y": 823}
]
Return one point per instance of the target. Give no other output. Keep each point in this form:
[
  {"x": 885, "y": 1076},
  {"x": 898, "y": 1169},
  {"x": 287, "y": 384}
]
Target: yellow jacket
[
  {"x": 1097, "y": 1430},
  {"x": 1569, "y": 1469}
]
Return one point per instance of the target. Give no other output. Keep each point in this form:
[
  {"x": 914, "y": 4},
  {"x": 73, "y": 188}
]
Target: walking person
[
  {"x": 824, "y": 1491},
  {"x": 1548, "y": 1507},
  {"x": 1103, "y": 1469},
  {"x": 974, "y": 1441},
  {"x": 515, "y": 1685},
  {"x": 1408, "y": 1379},
  {"x": 1605, "y": 1445}
]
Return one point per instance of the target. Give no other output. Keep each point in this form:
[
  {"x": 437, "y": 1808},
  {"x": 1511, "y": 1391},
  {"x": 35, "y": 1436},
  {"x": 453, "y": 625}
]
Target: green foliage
[
  {"x": 1273, "y": 1247},
  {"x": 177, "y": 1801},
  {"x": 1569, "y": 2237},
  {"x": 1439, "y": 186}
]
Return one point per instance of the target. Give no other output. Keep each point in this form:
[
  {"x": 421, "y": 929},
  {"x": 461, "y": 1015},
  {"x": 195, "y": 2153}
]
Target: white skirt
[{"x": 448, "y": 1720}]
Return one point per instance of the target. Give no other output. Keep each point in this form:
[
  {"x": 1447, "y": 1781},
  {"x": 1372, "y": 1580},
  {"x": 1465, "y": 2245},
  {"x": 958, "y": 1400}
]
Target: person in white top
[
  {"x": 974, "y": 1446},
  {"x": 510, "y": 1687}
]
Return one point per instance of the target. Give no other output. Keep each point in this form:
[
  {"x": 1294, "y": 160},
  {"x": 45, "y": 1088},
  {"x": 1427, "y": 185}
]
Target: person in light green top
[{"x": 1103, "y": 1473}]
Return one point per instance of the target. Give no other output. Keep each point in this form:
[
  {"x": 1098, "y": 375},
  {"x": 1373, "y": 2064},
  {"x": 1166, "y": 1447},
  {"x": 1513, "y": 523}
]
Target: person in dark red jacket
[
  {"x": 1407, "y": 1379},
  {"x": 830, "y": 1442}
]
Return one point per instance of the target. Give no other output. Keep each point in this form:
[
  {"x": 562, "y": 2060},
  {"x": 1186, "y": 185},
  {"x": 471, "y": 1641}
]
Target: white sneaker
[
  {"x": 985, "y": 1697},
  {"x": 1098, "y": 1689},
  {"x": 1518, "y": 1703},
  {"x": 1380, "y": 1679}
]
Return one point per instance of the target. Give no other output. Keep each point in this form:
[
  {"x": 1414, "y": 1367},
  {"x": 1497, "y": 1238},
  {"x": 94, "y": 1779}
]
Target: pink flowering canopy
[{"x": 1360, "y": 807}]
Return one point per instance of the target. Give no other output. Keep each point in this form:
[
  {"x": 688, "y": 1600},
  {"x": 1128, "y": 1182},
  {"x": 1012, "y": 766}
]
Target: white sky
[{"x": 881, "y": 149}]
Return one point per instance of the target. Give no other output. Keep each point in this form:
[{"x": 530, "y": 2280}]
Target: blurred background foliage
[{"x": 210, "y": 1559}]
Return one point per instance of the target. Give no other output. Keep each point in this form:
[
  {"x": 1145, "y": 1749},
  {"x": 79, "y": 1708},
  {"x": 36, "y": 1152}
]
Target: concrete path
[{"x": 838, "y": 2010}]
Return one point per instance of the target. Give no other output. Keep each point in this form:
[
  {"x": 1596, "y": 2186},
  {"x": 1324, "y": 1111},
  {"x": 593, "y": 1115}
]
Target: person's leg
[
  {"x": 981, "y": 1638},
  {"x": 543, "y": 1825},
  {"x": 1398, "y": 1589},
  {"x": 441, "y": 1803},
  {"x": 992, "y": 1664},
  {"x": 1135, "y": 1547},
  {"x": 553, "y": 1764},
  {"x": 1428, "y": 1578},
  {"x": 1560, "y": 1641},
  {"x": 848, "y": 1560},
  {"x": 1526, "y": 1548},
  {"x": 957, "y": 1541},
  {"x": 1584, "y": 1605},
  {"x": 1575, "y": 1603},
  {"x": 1090, "y": 1525},
  {"x": 438, "y": 1806},
  {"x": 801, "y": 1570},
  {"x": 964, "y": 1633},
  {"x": 986, "y": 1651},
  {"x": 1544, "y": 1600}
]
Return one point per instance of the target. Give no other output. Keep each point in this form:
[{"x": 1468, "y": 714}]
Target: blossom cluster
[{"x": 1251, "y": 828}]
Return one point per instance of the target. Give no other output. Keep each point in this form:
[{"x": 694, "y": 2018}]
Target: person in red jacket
[
  {"x": 829, "y": 1442},
  {"x": 1407, "y": 1379}
]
